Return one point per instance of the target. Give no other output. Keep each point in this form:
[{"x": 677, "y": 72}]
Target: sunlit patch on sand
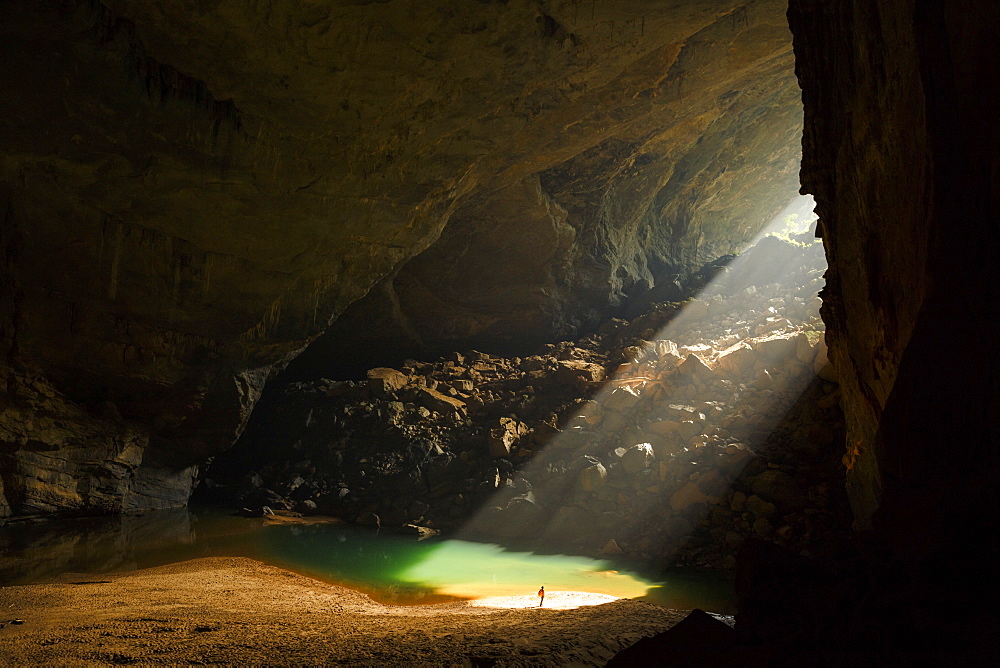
[
  {"x": 556, "y": 600},
  {"x": 484, "y": 572}
]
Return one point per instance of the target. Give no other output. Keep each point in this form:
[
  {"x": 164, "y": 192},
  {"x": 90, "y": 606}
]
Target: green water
[{"x": 391, "y": 568}]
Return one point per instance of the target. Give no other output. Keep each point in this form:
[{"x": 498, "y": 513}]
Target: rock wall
[
  {"x": 900, "y": 151},
  {"x": 191, "y": 192},
  {"x": 900, "y": 154}
]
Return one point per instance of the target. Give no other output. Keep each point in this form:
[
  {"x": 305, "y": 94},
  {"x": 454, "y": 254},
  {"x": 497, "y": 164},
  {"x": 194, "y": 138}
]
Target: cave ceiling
[{"x": 194, "y": 190}]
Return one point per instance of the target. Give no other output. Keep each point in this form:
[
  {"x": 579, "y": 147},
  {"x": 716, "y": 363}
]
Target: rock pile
[{"x": 670, "y": 438}]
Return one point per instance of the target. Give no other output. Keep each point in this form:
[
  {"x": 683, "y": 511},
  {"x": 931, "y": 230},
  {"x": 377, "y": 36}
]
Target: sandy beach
[{"x": 229, "y": 611}]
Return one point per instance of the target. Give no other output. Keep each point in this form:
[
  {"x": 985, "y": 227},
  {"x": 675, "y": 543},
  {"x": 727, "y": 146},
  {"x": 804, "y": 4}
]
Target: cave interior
[{"x": 438, "y": 218}]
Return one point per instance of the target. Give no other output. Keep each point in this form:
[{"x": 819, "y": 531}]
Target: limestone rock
[
  {"x": 737, "y": 360},
  {"x": 621, "y": 399},
  {"x": 504, "y": 436},
  {"x": 384, "y": 381},
  {"x": 435, "y": 401},
  {"x": 687, "y": 496},
  {"x": 693, "y": 366},
  {"x": 637, "y": 458},
  {"x": 593, "y": 477},
  {"x": 573, "y": 372},
  {"x": 776, "y": 348}
]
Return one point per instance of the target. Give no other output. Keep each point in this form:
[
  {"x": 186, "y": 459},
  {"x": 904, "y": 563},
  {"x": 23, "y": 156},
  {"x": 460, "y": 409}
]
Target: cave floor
[{"x": 240, "y": 611}]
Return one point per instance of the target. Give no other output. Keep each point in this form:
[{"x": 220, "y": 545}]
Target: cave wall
[
  {"x": 900, "y": 151},
  {"x": 193, "y": 191}
]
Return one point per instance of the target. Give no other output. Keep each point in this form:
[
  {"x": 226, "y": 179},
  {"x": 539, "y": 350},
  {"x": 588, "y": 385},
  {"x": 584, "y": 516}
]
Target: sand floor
[{"x": 236, "y": 611}]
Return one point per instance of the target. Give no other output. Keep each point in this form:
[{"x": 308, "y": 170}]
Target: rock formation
[
  {"x": 670, "y": 439},
  {"x": 901, "y": 151},
  {"x": 193, "y": 192}
]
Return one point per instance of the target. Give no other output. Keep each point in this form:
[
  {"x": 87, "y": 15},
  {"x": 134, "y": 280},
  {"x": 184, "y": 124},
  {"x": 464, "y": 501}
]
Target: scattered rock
[
  {"x": 688, "y": 450},
  {"x": 638, "y": 458}
]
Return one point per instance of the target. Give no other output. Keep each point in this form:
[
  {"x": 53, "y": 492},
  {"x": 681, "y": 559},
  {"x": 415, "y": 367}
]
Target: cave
[{"x": 226, "y": 221}]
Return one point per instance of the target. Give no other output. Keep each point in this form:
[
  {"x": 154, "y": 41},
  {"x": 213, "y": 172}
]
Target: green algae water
[{"x": 392, "y": 569}]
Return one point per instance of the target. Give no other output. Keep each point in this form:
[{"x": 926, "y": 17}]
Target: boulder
[
  {"x": 698, "y": 640},
  {"x": 369, "y": 519},
  {"x": 758, "y": 507},
  {"x": 306, "y": 507},
  {"x": 687, "y": 496},
  {"x": 737, "y": 360},
  {"x": 688, "y": 429},
  {"x": 611, "y": 549},
  {"x": 622, "y": 399},
  {"x": 417, "y": 531},
  {"x": 805, "y": 352},
  {"x": 383, "y": 381},
  {"x": 578, "y": 372},
  {"x": 695, "y": 367},
  {"x": 822, "y": 365},
  {"x": 776, "y": 348},
  {"x": 638, "y": 458},
  {"x": 593, "y": 477},
  {"x": 462, "y": 385},
  {"x": 442, "y": 403},
  {"x": 503, "y": 437}
]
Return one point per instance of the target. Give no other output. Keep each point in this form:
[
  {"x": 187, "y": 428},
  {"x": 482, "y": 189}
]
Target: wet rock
[
  {"x": 419, "y": 532},
  {"x": 306, "y": 507}
]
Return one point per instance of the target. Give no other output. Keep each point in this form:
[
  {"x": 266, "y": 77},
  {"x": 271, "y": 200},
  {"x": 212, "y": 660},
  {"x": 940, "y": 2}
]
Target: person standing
[{"x": 541, "y": 596}]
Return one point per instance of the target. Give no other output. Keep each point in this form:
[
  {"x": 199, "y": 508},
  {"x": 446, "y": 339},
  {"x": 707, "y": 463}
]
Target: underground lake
[{"x": 393, "y": 569}]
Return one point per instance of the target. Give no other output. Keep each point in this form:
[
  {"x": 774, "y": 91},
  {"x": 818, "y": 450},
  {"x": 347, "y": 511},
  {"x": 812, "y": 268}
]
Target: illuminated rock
[
  {"x": 776, "y": 348},
  {"x": 436, "y": 401},
  {"x": 622, "y": 399},
  {"x": 593, "y": 477},
  {"x": 503, "y": 437},
  {"x": 638, "y": 458},
  {"x": 694, "y": 367},
  {"x": 737, "y": 360},
  {"x": 384, "y": 381},
  {"x": 573, "y": 372}
]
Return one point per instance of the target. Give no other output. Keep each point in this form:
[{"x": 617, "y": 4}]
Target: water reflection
[{"x": 391, "y": 568}]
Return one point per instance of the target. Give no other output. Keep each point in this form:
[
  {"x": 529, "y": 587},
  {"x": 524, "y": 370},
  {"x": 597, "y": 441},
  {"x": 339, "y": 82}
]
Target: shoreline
[{"x": 236, "y": 610}]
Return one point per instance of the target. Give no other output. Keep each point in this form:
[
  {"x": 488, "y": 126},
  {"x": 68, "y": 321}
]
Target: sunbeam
[{"x": 662, "y": 441}]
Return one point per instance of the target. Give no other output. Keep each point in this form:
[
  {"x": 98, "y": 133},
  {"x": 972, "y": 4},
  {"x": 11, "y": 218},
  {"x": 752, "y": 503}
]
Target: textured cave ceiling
[{"x": 195, "y": 190}]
